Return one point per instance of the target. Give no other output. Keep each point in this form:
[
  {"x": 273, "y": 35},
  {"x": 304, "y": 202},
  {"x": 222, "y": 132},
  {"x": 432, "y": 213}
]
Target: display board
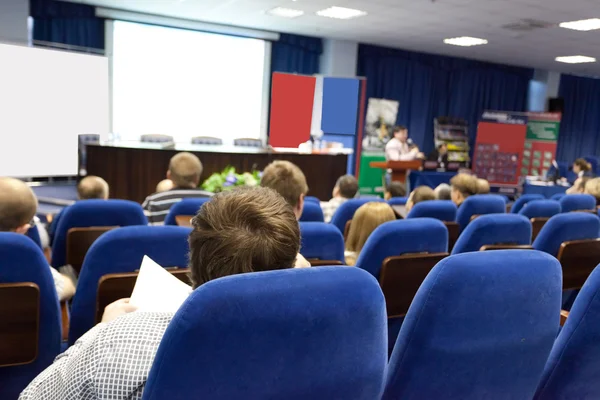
[{"x": 540, "y": 143}]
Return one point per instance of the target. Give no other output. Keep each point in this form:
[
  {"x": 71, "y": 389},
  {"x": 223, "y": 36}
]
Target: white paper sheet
[{"x": 156, "y": 290}]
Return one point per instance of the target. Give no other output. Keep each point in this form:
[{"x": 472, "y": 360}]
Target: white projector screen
[
  {"x": 47, "y": 98},
  {"x": 187, "y": 83}
]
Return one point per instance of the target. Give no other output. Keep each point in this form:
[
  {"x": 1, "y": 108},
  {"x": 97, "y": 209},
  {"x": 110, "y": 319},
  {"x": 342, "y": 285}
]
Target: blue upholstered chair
[
  {"x": 312, "y": 212},
  {"x": 122, "y": 250},
  {"x": 566, "y": 227},
  {"x": 540, "y": 209},
  {"x": 504, "y": 197},
  {"x": 397, "y": 201},
  {"x": 156, "y": 138},
  {"x": 524, "y": 199},
  {"x": 185, "y": 207},
  {"x": 248, "y": 142},
  {"x": 572, "y": 369},
  {"x": 345, "y": 212},
  {"x": 290, "y": 334},
  {"x": 321, "y": 241},
  {"x": 479, "y": 205},
  {"x": 209, "y": 140},
  {"x": 481, "y": 326},
  {"x": 34, "y": 234},
  {"x": 577, "y": 202},
  {"x": 22, "y": 261},
  {"x": 87, "y": 213},
  {"x": 444, "y": 210},
  {"x": 558, "y": 196},
  {"x": 494, "y": 229},
  {"x": 312, "y": 198}
]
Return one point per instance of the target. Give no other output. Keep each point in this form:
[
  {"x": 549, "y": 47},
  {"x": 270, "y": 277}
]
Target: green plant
[{"x": 228, "y": 179}]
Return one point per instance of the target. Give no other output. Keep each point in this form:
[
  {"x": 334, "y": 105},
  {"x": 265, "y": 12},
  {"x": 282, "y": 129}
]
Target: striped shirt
[{"x": 157, "y": 205}]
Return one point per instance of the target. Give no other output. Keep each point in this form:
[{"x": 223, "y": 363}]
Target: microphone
[{"x": 410, "y": 143}]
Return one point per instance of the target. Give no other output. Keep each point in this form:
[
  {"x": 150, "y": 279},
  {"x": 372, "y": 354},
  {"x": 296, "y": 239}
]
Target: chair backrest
[
  {"x": 156, "y": 138},
  {"x": 479, "y": 205},
  {"x": 481, "y": 326},
  {"x": 321, "y": 241},
  {"x": 494, "y": 229},
  {"x": 79, "y": 241},
  {"x": 564, "y": 228},
  {"x": 523, "y": 200},
  {"x": 557, "y": 196},
  {"x": 536, "y": 227},
  {"x": 572, "y": 369},
  {"x": 87, "y": 213},
  {"x": 122, "y": 250},
  {"x": 113, "y": 287},
  {"x": 395, "y": 238},
  {"x": 207, "y": 140},
  {"x": 578, "y": 259},
  {"x": 22, "y": 261},
  {"x": 577, "y": 202},
  {"x": 288, "y": 334},
  {"x": 398, "y": 201},
  {"x": 444, "y": 210},
  {"x": 189, "y": 206},
  {"x": 312, "y": 212},
  {"x": 453, "y": 233},
  {"x": 541, "y": 209},
  {"x": 346, "y": 210},
  {"x": 313, "y": 199},
  {"x": 248, "y": 142}
]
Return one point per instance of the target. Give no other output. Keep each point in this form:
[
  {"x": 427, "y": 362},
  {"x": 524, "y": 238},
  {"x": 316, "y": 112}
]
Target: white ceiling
[{"x": 419, "y": 25}]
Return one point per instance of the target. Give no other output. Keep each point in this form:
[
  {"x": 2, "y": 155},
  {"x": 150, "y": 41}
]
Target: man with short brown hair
[
  {"x": 92, "y": 187},
  {"x": 239, "y": 231},
  {"x": 289, "y": 181},
  {"x": 420, "y": 194},
  {"x": 184, "y": 171},
  {"x": 345, "y": 188}
]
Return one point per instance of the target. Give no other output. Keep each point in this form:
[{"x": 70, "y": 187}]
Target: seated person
[
  {"x": 421, "y": 193},
  {"x": 18, "y": 205},
  {"x": 440, "y": 154},
  {"x": 578, "y": 186},
  {"x": 462, "y": 186},
  {"x": 442, "y": 192},
  {"x": 164, "y": 185},
  {"x": 582, "y": 168},
  {"x": 184, "y": 170},
  {"x": 289, "y": 181},
  {"x": 592, "y": 187},
  {"x": 394, "y": 189},
  {"x": 368, "y": 217},
  {"x": 483, "y": 186},
  {"x": 239, "y": 231},
  {"x": 345, "y": 188}
]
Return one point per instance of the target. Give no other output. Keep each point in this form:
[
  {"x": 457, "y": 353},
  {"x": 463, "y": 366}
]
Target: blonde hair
[
  {"x": 286, "y": 179},
  {"x": 466, "y": 184},
  {"x": 18, "y": 204},
  {"x": 185, "y": 170},
  {"x": 92, "y": 187},
  {"x": 368, "y": 217},
  {"x": 593, "y": 187},
  {"x": 483, "y": 186}
]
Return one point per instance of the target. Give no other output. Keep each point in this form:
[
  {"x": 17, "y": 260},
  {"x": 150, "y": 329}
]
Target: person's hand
[
  {"x": 421, "y": 156},
  {"x": 116, "y": 309}
]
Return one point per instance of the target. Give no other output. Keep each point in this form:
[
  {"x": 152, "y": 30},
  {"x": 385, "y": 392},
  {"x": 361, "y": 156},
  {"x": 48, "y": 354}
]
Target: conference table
[
  {"x": 545, "y": 189},
  {"x": 429, "y": 178},
  {"x": 132, "y": 169}
]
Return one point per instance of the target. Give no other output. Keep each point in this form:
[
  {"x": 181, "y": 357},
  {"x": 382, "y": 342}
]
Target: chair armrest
[{"x": 564, "y": 314}]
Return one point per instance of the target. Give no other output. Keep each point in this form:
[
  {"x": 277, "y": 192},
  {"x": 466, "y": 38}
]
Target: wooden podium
[{"x": 399, "y": 168}]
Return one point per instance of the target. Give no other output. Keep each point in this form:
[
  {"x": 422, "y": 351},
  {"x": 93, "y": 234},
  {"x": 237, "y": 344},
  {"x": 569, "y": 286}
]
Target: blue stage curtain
[
  {"x": 580, "y": 125},
  {"x": 66, "y": 23},
  {"x": 429, "y": 86},
  {"x": 296, "y": 54}
]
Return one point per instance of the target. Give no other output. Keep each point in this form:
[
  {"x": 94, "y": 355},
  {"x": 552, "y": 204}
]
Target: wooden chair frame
[
  {"x": 578, "y": 259},
  {"x": 79, "y": 241}
]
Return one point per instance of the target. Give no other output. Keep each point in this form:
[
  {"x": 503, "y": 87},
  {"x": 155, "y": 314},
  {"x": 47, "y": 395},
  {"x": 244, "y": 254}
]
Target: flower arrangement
[{"x": 228, "y": 179}]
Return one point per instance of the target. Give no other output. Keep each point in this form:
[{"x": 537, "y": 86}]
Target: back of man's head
[
  {"x": 483, "y": 186},
  {"x": 286, "y": 179},
  {"x": 243, "y": 230},
  {"x": 347, "y": 186},
  {"x": 18, "y": 205},
  {"x": 442, "y": 192},
  {"x": 396, "y": 189},
  {"x": 422, "y": 193},
  {"x": 92, "y": 187},
  {"x": 185, "y": 170}
]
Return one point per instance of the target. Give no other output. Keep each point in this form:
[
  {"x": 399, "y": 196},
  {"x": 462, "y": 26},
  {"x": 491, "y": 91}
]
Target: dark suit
[{"x": 435, "y": 156}]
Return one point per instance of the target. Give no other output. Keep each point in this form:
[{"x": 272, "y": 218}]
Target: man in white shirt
[{"x": 398, "y": 149}]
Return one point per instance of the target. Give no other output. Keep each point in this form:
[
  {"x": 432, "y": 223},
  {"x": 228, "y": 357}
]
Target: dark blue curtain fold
[
  {"x": 428, "y": 86},
  {"x": 580, "y": 125},
  {"x": 296, "y": 54},
  {"x": 66, "y": 23}
]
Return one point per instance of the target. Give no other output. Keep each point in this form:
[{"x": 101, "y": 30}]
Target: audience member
[
  {"x": 443, "y": 192},
  {"x": 345, "y": 189},
  {"x": 592, "y": 187},
  {"x": 288, "y": 180},
  {"x": 421, "y": 193},
  {"x": 184, "y": 171},
  {"x": 394, "y": 189},
  {"x": 239, "y": 231},
  {"x": 462, "y": 186},
  {"x": 18, "y": 205},
  {"x": 92, "y": 187},
  {"x": 368, "y": 217},
  {"x": 582, "y": 168},
  {"x": 579, "y": 185},
  {"x": 164, "y": 186},
  {"x": 483, "y": 186}
]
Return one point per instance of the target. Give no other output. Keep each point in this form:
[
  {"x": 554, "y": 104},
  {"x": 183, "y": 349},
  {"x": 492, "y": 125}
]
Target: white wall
[
  {"x": 339, "y": 58},
  {"x": 13, "y": 21}
]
